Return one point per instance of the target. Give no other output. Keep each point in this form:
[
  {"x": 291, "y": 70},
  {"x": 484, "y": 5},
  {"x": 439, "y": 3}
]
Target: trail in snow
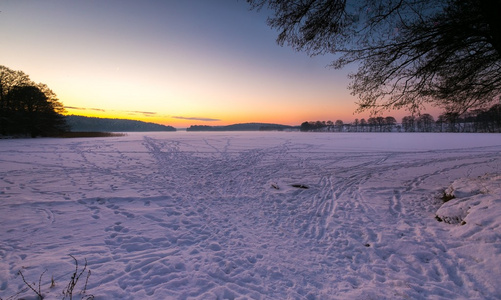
[{"x": 216, "y": 216}]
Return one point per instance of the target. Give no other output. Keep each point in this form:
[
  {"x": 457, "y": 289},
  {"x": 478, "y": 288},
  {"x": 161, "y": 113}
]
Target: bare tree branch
[{"x": 410, "y": 52}]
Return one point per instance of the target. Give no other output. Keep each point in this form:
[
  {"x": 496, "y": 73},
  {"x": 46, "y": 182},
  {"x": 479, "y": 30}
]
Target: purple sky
[{"x": 213, "y": 61}]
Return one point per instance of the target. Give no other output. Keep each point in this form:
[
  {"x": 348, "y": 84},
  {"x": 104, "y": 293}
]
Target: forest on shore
[{"x": 479, "y": 120}]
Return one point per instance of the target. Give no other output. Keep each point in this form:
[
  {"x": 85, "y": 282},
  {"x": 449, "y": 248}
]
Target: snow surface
[{"x": 215, "y": 216}]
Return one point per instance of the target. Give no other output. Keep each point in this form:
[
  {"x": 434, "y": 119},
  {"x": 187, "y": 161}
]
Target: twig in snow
[
  {"x": 39, "y": 292},
  {"x": 68, "y": 292}
]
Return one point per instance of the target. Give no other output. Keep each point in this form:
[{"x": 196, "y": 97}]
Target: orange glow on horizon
[
  {"x": 285, "y": 117},
  {"x": 167, "y": 67}
]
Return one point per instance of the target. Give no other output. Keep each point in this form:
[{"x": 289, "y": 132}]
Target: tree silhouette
[
  {"x": 410, "y": 52},
  {"x": 490, "y": 120},
  {"x": 363, "y": 124},
  {"x": 28, "y": 108},
  {"x": 408, "y": 123},
  {"x": 389, "y": 123},
  {"x": 450, "y": 120},
  {"x": 425, "y": 123}
]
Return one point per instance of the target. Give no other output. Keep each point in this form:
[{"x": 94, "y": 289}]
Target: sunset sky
[{"x": 177, "y": 63}]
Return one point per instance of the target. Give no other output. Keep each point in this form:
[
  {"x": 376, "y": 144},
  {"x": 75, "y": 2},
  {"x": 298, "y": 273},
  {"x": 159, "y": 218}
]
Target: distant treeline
[
  {"x": 80, "y": 124},
  {"x": 488, "y": 120},
  {"x": 242, "y": 127}
]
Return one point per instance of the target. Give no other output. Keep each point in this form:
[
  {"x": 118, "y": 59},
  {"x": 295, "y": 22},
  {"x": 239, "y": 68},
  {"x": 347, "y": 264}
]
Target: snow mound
[
  {"x": 478, "y": 206},
  {"x": 474, "y": 201}
]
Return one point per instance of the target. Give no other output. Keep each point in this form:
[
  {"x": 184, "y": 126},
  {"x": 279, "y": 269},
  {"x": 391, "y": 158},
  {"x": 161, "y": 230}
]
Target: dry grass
[{"x": 68, "y": 291}]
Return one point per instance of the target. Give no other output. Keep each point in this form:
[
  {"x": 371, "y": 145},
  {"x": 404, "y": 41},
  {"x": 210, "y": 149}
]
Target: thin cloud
[
  {"x": 130, "y": 112},
  {"x": 84, "y": 108},
  {"x": 196, "y": 119},
  {"x": 135, "y": 112},
  {"x": 145, "y": 113}
]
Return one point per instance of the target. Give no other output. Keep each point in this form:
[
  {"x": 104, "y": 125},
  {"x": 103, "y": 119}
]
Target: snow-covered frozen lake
[{"x": 215, "y": 215}]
